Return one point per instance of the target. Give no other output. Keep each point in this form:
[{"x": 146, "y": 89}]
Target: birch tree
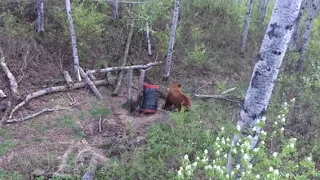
[
  {"x": 73, "y": 40},
  {"x": 293, "y": 44},
  {"x": 172, "y": 38},
  {"x": 40, "y": 16},
  {"x": 263, "y": 9},
  {"x": 265, "y": 72},
  {"x": 246, "y": 26},
  {"x": 312, "y": 7},
  {"x": 115, "y": 9}
]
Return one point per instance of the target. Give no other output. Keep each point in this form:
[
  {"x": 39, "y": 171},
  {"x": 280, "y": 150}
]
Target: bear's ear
[{"x": 179, "y": 85}]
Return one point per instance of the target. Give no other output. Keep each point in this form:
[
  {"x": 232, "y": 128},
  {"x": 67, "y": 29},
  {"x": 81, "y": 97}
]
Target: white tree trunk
[
  {"x": 40, "y": 16},
  {"x": 266, "y": 69},
  {"x": 115, "y": 9},
  {"x": 74, "y": 41},
  {"x": 293, "y": 44},
  {"x": 312, "y": 14},
  {"x": 263, "y": 9},
  {"x": 148, "y": 40},
  {"x": 246, "y": 26},
  {"x": 172, "y": 38}
]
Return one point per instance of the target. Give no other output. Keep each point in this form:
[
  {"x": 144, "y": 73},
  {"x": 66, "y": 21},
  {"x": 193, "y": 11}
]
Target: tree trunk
[
  {"x": 312, "y": 14},
  {"x": 74, "y": 41},
  {"x": 40, "y": 16},
  {"x": 293, "y": 44},
  {"x": 265, "y": 72},
  {"x": 246, "y": 26},
  {"x": 172, "y": 38},
  {"x": 115, "y": 9},
  {"x": 263, "y": 9}
]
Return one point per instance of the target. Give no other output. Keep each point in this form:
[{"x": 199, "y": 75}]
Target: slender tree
[
  {"x": 246, "y": 26},
  {"x": 313, "y": 8},
  {"x": 40, "y": 16},
  {"x": 73, "y": 41},
  {"x": 266, "y": 71},
  {"x": 172, "y": 38},
  {"x": 293, "y": 44},
  {"x": 115, "y": 9},
  {"x": 263, "y": 9}
]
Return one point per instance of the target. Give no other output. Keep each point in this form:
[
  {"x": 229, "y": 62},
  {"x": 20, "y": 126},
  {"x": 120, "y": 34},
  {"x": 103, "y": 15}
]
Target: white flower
[
  {"x": 293, "y": 99},
  {"x": 186, "y": 157},
  {"x": 255, "y": 149},
  {"x": 246, "y": 157},
  {"x": 262, "y": 142},
  {"x": 228, "y": 140},
  {"x": 206, "y": 151},
  {"x": 283, "y": 120},
  {"x": 198, "y": 158},
  {"x": 208, "y": 167},
  {"x": 179, "y": 173},
  {"x": 227, "y": 176},
  {"x": 258, "y": 176},
  {"x": 218, "y": 139},
  {"x": 276, "y": 172},
  {"x": 282, "y": 129},
  {"x": 285, "y": 103},
  {"x": 195, "y": 164},
  {"x": 270, "y": 168},
  {"x": 254, "y": 128},
  {"x": 275, "y": 154},
  {"x": 309, "y": 158},
  {"x": 275, "y": 123},
  {"x": 238, "y": 128},
  {"x": 232, "y": 172},
  {"x": 287, "y": 175},
  {"x": 279, "y": 117},
  {"x": 234, "y": 150},
  {"x": 238, "y": 166},
  {"x": 218, "y": 153},
  {"x": 291, "y": 145},
  {"x": 263, "y": 133},
  {"x": 223, "y": 141},
  {"x": 263, "y": 118},
  {"x": 225, "y": 156},
  {"x": 188, "y": 167},
  {"x": 250, "y": 166},
  {"x": 222, "y": 129}
]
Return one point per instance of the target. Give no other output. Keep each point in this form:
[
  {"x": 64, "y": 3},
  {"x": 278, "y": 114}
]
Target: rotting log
[
  {"x": 92, "y": 77},
  {"x": 89, "y": 82},
  {"x": 124, "y": 68},
  {"x": 68, "y": 78},
  {"x": 52, "y": 90}
]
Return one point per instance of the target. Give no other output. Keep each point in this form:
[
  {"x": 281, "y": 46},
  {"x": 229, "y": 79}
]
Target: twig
[
  {"x": 229, "y": 90},
  {"x": 200, "y": 88},
  {"x": 12, "y": 79},
  {"x": 51, "y": 90},
  {"x": 100, "y": 127},
  {"x": 19, "y": 120},
  {"x": 126, "y": 51}
]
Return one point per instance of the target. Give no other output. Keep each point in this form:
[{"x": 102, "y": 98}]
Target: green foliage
[
  {"x": 7, "y": 142},
  {"x": 255, "y": 163},
  {"x": 13, "y": 26},
  {"x": 163, "y": 38},
  {"x": 6, "y": 175}
]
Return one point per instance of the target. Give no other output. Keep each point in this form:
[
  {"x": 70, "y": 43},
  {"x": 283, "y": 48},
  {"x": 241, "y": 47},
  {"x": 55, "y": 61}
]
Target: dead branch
[
  {"x": 89, "y": 82},
  {"x": 51, "y": 90},
  {"x": 92, "y": 77},
  {"x": 64, "y": 159},
  {"x": 229, "y": 90},
  {"x": 100, "y": 125},
  {"x": 2, "y": 94},
  {"x": 124, "y": 61},
  {"x": 200, "y": 88},
  {"x": 129, "y": 90},
  {"x": 68, "y": 78},
  {"x": 48, "y": 175},
  {"x": 227, "y": 98},
  {"x": 140, "y": 89},
  {"x": 12, "y": 79},
  {"x": 19, "y": 120},
  {"x": 124, "y": 68}
]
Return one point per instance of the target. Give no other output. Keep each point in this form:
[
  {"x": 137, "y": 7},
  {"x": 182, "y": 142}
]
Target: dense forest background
[{"x": 207, "y": 59}]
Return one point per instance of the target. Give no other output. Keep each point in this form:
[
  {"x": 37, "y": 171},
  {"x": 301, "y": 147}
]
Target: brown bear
[{"x": 177, "y": 98}]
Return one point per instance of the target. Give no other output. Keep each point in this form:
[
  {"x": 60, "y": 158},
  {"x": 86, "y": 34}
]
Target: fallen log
[
  {"x": 12, "y": 79},
  {"x": 124, "y": 68},
  {"x": 89, "y": 82},
  {"x": 68, "y": 78},
  {"x": 51, "y": 90}
]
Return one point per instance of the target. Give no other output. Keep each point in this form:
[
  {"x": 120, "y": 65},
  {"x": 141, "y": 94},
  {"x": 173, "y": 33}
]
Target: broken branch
[
  {"x": 51, "y": 90},
  {"x": 68, "y": 78},
  {"x": 19, "y": 120},
  {"x": 89, "y": 82}
]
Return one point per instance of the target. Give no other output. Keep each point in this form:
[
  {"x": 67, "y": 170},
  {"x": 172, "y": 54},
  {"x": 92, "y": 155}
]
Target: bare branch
[{"x": 89, "y": 82}]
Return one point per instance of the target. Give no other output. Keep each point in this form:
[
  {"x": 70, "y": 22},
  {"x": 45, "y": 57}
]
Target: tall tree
[
  {"x": 115, "y": 9},
  {"x": 312, "y": 7},
  {"x": 246, "y": 26},
  {"x": 73, "y": 41},
  {"x": 263, "y": 9},
  {"x": 293, "y": 44},
  {"x": 172, "y": 38},
  {"x": 40, "y": 16},
  {"x": 266, "y": 71}
]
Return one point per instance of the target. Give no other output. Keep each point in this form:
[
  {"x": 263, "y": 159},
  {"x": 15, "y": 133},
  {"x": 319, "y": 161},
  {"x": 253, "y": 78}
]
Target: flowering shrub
[{"x": 256, "y": 163}]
